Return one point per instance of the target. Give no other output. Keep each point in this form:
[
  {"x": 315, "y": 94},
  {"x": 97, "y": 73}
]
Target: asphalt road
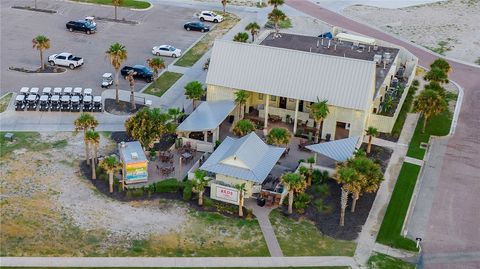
[
  {"x": 453, "y": 223},
  {"x": 162, "y": 24}
]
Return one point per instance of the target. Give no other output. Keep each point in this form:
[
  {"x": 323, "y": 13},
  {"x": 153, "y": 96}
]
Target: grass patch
[
  {"x": 5, "y": 101},
  {"x": 442, "y": 47},
  {"x": 438, "y": 125},
  {"x": 198, "y": 50},
  {"x": 402, "y": 115},
  {"x": 125, "y": 3},
  {"x": 382, "y": 261},
  {"x": 27, "y": 140},
  {"x": 60, "y": 144},
  {"x": 302, "y": 238},
  {"x": 163, "y": 83},
  {"x": 390, "y": 230}
]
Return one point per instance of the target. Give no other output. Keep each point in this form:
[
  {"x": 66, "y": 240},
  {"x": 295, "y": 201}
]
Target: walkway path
[{"x": 264, "y": 221}]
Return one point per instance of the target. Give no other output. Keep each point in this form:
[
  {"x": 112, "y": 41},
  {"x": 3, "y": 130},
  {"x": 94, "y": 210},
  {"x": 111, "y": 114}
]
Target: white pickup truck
[{"x": 65, "y": 59}]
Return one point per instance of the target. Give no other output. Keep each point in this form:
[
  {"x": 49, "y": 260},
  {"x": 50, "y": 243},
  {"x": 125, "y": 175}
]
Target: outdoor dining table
[{"x": 187, "y": 156}]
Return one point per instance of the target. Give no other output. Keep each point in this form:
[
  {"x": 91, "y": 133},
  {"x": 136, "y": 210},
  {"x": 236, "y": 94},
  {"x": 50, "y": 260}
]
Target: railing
[{"x": 196, "y": 165}]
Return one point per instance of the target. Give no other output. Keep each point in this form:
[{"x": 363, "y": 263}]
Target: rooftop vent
[
  {"x": 122, "y": 144},
  {"x": 134, "y": 155}
]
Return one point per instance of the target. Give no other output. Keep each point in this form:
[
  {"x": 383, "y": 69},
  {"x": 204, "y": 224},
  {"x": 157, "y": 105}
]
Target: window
[
  {"x": 374, "y": 110},
  {"x": 381, "y": 99},
  {"x": 260, "y": 96},
  {"x": 273, "y": 98},
  {"x": 61, "y": 57}
]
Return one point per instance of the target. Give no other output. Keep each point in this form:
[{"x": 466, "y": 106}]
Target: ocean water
[{"x": 338, "y": 5}]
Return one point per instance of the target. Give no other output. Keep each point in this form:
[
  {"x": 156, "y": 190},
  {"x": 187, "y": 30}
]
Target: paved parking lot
[{"x": 162, "y": 24}]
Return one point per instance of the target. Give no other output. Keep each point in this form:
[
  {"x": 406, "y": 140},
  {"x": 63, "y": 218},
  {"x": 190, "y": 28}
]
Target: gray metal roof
[
  {"x": 208, "y": 116},
  {"x": 344, "y": 82},
  {"x": 247, "y": 158},
  {"x": 339, "y": 150},
  {"x": 132, "y": 152}
]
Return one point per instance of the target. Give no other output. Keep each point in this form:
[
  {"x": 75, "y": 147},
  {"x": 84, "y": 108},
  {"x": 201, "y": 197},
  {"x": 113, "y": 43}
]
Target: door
[
  {"x": 283, "y": 103},
  {"x": 342, "y": 130},
  {"x": 61, "y": 60},
  {"x": 300, "y": 106}
]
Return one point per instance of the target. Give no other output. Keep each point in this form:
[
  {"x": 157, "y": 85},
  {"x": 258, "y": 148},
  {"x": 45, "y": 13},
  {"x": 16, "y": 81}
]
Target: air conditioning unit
[{"x": 347, "y": 126}]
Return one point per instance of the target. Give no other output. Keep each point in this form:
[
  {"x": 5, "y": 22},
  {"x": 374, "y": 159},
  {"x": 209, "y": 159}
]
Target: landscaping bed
[
  {"x": 382, "y": 261},
  {"x": 35, "y": 9},
  {"x": 124, "y": 3},
  {"x": 5, "y": 101},
  {"x": 47, "y": 70},
  {"x": 162, "y": 83},
  {"x": 123, "y": 108},
  {"x": 380, "y": 155},
  {"x": 201, "y": 47}
]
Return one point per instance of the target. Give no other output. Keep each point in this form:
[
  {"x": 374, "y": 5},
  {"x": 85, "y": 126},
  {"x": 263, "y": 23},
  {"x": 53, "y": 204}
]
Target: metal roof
[
  {"x": 132, "y": 152},
  {"x": 208, "y": 116},
  {"x": 247, "y": 158},
  {"x": 339, "y": 150},
  {"x": 344, "y": 82}
]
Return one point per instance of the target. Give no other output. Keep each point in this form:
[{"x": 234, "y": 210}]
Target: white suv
[{"x": 210, "y": 16}]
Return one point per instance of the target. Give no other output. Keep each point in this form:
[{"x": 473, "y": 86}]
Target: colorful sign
[
  {"x": 225, "y": 194},
  {"x": 136, "y": 171}
]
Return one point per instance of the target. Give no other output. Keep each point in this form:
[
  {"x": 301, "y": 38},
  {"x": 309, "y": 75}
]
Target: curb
[
  {"x": 103, "y": 5},
  {"x": 458, "y": 106}
]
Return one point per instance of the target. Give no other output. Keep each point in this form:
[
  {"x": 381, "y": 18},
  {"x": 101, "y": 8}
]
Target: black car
[
  {"x": 196, "y": 26},
  {"x": 82, "y": 26},
  {"x": 140, "y": 71}
]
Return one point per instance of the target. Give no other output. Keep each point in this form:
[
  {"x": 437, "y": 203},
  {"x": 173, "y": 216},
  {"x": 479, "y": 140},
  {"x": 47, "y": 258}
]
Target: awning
[
  {"x": 339, "y": 150},
  {"x": 208, "y": 116}
]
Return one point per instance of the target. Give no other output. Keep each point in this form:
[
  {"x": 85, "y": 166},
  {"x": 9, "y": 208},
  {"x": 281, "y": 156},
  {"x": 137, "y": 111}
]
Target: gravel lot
[{"x": 162, "y": 24}]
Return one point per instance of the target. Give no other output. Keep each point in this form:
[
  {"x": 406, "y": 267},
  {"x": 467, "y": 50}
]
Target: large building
[{"x": 363, "y": 83}]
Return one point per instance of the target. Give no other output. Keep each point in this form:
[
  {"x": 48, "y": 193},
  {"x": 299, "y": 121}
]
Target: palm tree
[
  {"x": 371, "y": 132},
  {"x": 241, "y": 37},
  {"x": 311, "y": 162},
  {"x": 276, "y": 3},
  {"x": 156, "y": 64},
  {"x": 294, "y": 183},
  {"x": 435, "y": 86},
  {"x": 84, "y": 123},
  {"x": 279, "y": 136},
  {"x": 116, "y": 3},
  {"x": 276, "y": 16},
  {"x": 117, "y": 54},
  {"x": 241, "y": 190},
  {"x": 41, "y": 43},
  {"x": 436, "y": 74},
  {"x": 254, "y": 28},
  {"x": 175, "y": 113},
  {"x": 131, "y": 83},
  {"x": 319, "y": 111},
  {"x": 199, "y": 183},
  {"x": 241, "y": 97},
  {"x": 148, "y": 125},
  {"x": 429, "y": 103},
  {"x": 243, "y": 127},
  {"x": 93, "y": 139},
  {"x": 224, "y": 4},
  {"x": 111, "y": 165},
  {"x": 345, "y": 176},
  {"x": 442, "y": 64},
  {"x": 194, "y": 91}
]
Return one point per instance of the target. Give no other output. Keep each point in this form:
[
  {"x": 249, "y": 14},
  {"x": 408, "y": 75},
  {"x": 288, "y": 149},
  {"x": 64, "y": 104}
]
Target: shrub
[
  {"x": 319, "y": 177},
  {"x": 225, "y": 208},
  {"x": 250, "y": 213},
  {"x": 137, "y": 192},
  {"x": 187, "y": 191},
  {"x": 321, "y": 206},
  {"x": 168, "y": 185},
  {"x": 301, "y": 201},
  {"x": 322, "y": 189},
  {"x": 207, "y": 202},
  {"x": 415, "y": 83}
]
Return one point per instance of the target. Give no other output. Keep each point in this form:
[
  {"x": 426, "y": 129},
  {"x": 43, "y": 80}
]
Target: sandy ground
[
  {"x": 307, "y": 26},
  {"x": 454, "y": 23}
]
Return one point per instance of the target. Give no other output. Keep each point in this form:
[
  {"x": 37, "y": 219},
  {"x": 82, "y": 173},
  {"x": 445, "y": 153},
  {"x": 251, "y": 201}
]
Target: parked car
[
  {"x": 107, "y": 80},
  {"x": 196, "y": 26},
  {"x": 140, "y": 71},
  {"x": 210, "y": 16},
  {"x": 167, "y": 50},
  {"x": 82, "y": 26},
  {"x": 20, "y": 102},
  {"x": 65, "y": 59}
]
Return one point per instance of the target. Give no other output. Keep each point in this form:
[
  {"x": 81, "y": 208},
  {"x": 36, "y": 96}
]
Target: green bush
[
  {"x": 322, "y": 189},
  {"x": 226, "y": 208},
  {"x": 207, "y": 202},
  {"x": 137, "y": 192},
  {"x": 319, "y": 177},
  {"x": 187, "y": 191},
  {"x": 168, "y": 185},
  {"x": 301, "y": 201},
  {"x": 321, "y": 206},
  {"x": 415, "y": 83}
]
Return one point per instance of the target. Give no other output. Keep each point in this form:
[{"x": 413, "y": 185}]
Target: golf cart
[
  {"x": 65, "y": 103},
  {"x": 97, "y": 104},
  {"x": 34, "y": 91},
  {"x": 107, "y": 80},
  {"x": 24, "y": 91},
  {"x": 75, "y": 103},
  {"x": 67, "y": 91},
  {"x": 44, "y": 104},
  {"x": 32, "y": 102},
  {"x": 55, "y": 103},
  {"x": 78, "y": 92},
  {"x": 57, "y": 91},
  {"x": 20, "y": 102},
  {"x": 86, "y": 92},
  {"x": 87, "y": 103},
  {"x": 47, "y": 91}
]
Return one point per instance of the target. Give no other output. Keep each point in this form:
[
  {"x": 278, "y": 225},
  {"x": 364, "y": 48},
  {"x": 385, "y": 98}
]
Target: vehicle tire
[
  {"x": 188, "y": 28},
  {"x": 52, "y": 63},
  {"x": 202, "y": 19},
  {"x": 158, "y": 53},
  {"x": 215, "y": 21},
  {"x": 202, "y": 30},
  {"x": 89, "y": 32},
  {"x": 126, "y": 77},
  {"x": 70, "y": 29},
  {"x": 71, "y": 66},
  {"x": 149, "y": 80},
  {"x": 174, "y": 55}
]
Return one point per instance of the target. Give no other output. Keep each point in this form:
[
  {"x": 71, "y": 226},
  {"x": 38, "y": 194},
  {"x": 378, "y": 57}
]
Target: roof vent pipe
[
  {"x": 317, "y": 43},
  {"x": 335, "y": 47},
  {"x": 384, "y": 64},
  {"x": 329, "y": 43},
  {"x": 368, "y": 48},
  {"x": 122, "y": 144},
  {"x": 321, "y": 40},
  {"x": 310, "y": 49}
]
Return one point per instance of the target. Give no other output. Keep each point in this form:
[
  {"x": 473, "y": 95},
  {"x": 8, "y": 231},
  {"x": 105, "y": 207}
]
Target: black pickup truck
[
  {"x": 82, "y": 26},
  {"x": 140, "y": 71}
]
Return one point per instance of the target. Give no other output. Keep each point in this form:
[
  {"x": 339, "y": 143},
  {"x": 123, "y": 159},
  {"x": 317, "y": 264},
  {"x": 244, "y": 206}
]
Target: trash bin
[{"x": 261, "y": 202}]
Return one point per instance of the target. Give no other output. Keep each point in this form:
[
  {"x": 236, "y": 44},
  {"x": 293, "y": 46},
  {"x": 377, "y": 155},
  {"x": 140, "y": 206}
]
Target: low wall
[{"x": 199, "y": 145}]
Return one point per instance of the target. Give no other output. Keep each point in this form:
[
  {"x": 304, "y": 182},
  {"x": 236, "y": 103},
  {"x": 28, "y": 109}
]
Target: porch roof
[
  {"x": 339, "y": 150},
  {"x": 208, "y": 116}
]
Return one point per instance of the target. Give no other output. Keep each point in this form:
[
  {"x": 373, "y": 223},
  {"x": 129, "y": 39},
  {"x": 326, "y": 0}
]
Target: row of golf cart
[{"x": 67, "y": 99}]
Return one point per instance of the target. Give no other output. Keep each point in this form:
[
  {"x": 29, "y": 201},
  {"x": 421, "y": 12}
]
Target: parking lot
[{"x": 162, "y": 24}]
